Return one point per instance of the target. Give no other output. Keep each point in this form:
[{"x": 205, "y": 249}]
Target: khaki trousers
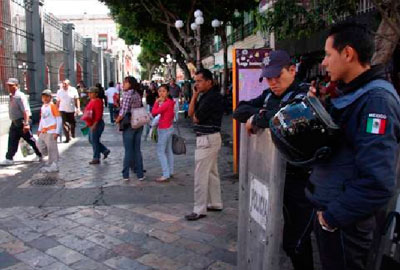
[
  {"x": 48, "y": 146},
  {"x": 207, "y": 186}
]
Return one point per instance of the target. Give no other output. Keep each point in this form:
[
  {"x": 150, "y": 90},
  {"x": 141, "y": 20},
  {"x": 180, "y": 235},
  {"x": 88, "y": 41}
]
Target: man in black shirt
[
  {"x": 207, "y": 117},
  {"x": 256, "y": 113}
]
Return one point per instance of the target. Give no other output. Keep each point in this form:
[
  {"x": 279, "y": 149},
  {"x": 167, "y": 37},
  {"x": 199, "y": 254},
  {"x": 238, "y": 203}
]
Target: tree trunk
[
  {"x": 184, "y": 67},
  {"x": 224, "y": 43},
  {"x": 151, "y": 70},
  {"x": 386, "y": 40},
  {"x": 173, "y": 70}
]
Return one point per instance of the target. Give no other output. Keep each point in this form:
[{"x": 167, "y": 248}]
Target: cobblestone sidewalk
[{"x": 92, "y": 220}]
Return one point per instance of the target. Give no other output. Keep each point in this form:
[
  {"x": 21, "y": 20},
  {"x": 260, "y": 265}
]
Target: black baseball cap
[{"x": 273, "y": 64}]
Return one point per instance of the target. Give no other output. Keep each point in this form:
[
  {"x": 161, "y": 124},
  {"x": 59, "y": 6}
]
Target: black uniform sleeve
[
  {"x": 246, "y": 109},
  {"x": 376, "y": 148}
]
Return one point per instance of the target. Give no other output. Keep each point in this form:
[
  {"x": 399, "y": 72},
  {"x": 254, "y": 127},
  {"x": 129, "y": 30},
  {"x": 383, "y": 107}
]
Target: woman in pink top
[{"x": 164, "y": 106}]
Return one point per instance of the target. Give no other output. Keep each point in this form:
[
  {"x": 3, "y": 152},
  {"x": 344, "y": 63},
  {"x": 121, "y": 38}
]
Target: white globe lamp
[
  {"x": 199, "y": 20},
  {"x": 198, "y": 13},
  {"x": 194, "y": 26},
  {"x": 179, "y": 24},
  {"x": 215, "y": 23}
]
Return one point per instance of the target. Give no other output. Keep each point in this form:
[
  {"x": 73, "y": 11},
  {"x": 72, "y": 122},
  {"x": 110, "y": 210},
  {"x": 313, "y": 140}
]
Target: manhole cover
[{"x": 45, "y": 181}]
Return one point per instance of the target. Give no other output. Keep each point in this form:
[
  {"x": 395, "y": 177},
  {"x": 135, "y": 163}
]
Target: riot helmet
[{"x": 303, "y": 131}]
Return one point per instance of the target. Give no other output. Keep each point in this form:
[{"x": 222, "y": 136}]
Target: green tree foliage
[
  {"x": 298, "y": 19},
  {"x": 145, "y": 20}
]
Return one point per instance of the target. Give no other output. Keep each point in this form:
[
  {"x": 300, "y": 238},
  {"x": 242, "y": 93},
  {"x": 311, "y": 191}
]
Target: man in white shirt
[
  {"x": 110, "y": 92},
  {"x": 68, "y": 104}
]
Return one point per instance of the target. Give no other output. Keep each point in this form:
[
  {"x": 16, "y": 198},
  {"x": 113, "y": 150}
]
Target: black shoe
[
  {"x": 106, "y": 153},
  {"x": 214, "y": 209},
  {"x": 94, "y": 162},
  {"x": 194, "y": 216}
]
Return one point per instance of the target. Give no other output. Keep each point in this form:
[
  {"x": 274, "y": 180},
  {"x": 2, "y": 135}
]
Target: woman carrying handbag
[
  {"x": 164, "y": 106},
  {"x": 131, "y": 136}
]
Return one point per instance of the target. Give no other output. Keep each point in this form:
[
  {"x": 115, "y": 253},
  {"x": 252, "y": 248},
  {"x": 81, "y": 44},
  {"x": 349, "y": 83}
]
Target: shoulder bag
[
  {"x": 139, "y": 117},
  {"x": 178, "y": 143}
]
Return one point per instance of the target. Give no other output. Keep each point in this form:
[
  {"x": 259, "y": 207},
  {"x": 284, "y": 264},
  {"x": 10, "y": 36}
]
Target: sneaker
[
  {"x": 37, "y": 159},
  {"x": 53, "y": 167},
  {"x": 125, "y": 179},
  {"x": 142, "y": 178},
  {"x": 7, "y": 162}
]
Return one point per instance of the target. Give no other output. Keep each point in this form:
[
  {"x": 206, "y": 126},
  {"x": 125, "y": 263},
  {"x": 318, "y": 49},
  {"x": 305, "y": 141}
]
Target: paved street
[{"x": 90, "y": 219}]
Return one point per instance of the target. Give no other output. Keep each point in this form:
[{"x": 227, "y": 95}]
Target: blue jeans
[
  {"x": 94, "y": 139},
  {"x": 164, "y": 151},
  {"x": 133, "y": 156},
  {"x": 111, "y": 108}
]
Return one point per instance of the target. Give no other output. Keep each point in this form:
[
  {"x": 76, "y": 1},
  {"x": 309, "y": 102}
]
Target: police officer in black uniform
[
  {"x": 256, "y": 113},
  {"x": 359, "y": 178}
]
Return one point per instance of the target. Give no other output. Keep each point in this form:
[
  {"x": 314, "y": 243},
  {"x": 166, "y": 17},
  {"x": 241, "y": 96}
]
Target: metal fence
[
  {"x": 95, "y": 65},
  {"x": 81, "y": 59},
  {"x": 13, "y": 44},
  {"x": 54, "y": 51},
  {"x": 40, "y": 51}
]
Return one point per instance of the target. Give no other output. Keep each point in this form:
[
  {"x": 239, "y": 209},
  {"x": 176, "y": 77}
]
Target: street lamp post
[
  {"x": 162, "y": 60},
  {"x": 24, "y": 68},
  {"x": 169, "y": 65},
  {"x": 195, "y": 26}
]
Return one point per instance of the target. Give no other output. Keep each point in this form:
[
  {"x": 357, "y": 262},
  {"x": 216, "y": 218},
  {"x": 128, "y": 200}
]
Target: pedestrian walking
[
  {"x": 207, "y": 116},
  {"x": 359, "y": 178},
  {"x": 164, "y": 106},
  {"x": 93, "y": 116},
  {"x": 110, "y": 93},
  {"x": 50, "y": 127},
  {"x": 297, "y": 211},
  {"x": 68, "y": 104},
  {"x": 131, "y": 137},
  {"x": 19, "y": 113},
  {"x": 102, "y": 94},
  {"x": 176, "y": 93}
]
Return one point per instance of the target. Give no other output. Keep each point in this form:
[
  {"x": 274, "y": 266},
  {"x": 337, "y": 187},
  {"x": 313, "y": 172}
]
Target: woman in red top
[
  {"x": 93, "y": 116},
  {"x": 164, "y": 106}
]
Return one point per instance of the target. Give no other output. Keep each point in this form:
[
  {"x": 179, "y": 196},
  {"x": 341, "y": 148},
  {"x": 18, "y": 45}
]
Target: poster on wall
[{"x": 247, "y": 65}]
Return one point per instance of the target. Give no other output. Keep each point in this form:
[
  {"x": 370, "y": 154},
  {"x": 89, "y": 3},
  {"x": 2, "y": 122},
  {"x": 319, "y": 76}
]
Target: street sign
[{"x": 247, "y": 64}]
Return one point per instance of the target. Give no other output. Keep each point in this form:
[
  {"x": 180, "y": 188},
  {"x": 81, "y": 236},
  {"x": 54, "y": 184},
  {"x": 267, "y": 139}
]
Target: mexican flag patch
[{"x": 376, "y": 123}]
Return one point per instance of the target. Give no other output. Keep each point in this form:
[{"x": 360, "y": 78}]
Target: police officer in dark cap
[
  {"x": 256, "y": 113},
  {"x": 359, "y": 177}
]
